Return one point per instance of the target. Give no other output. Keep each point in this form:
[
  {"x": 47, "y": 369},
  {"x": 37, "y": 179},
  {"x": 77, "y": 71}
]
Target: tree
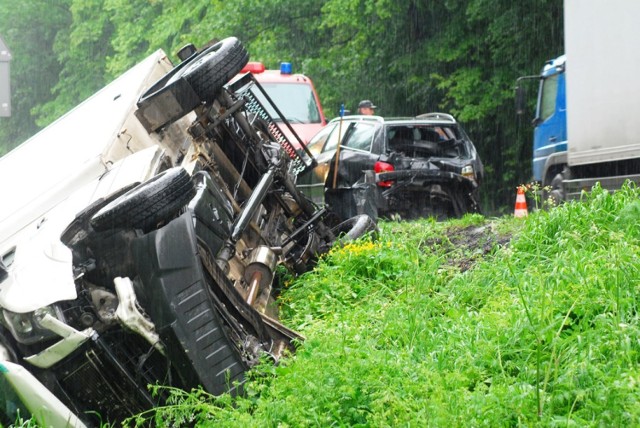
[
  {"x": 484, "y": 47},
  {"x": 409, "y": 56},
  {"x": 30, "y": 31},
  {"x": 82, "y": 48}
]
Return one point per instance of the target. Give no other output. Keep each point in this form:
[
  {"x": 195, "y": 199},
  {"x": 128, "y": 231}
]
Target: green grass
[{"x": 450, "y": 324}]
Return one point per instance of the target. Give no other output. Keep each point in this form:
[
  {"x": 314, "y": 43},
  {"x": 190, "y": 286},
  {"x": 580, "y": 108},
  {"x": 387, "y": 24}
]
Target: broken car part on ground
[{"x": 162, "y": 268}]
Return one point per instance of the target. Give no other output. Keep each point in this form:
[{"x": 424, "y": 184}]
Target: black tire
[
  {"x": 78, "y": 230},
  {"x": 556, "y": 195},
  {"x": 210, "y": 70},
  {"x": 146, "y": 205},
  {"x": 196, "y": 80},
  {"x": 354, "y": 228}
]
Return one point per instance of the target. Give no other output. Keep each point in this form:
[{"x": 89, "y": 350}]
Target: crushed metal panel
[{"x": 5, "y": 86}]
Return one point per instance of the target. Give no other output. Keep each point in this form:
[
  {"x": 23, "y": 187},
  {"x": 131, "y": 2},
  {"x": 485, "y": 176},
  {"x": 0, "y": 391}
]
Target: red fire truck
[{"x": 295, "y": 97}]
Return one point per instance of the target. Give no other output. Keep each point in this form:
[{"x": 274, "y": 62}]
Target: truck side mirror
[
  {"x": 521, "y": 93},
  {"x": 520, "y": 100}
]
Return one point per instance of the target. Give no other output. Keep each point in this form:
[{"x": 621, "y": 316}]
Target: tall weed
[{"x": 403, "y": 331}]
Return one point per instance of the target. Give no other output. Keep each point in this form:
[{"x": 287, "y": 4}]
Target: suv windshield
[{"x": 295, "y": 101}]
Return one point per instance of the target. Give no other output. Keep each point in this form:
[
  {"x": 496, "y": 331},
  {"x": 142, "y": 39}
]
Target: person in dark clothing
[{"x": 366, "y": 107}]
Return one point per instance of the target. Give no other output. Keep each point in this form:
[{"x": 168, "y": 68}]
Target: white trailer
[
  {"x": 586, "y": 126},
  {"x": 603, "y": 80},
  {"x": 603, "y": 94}
]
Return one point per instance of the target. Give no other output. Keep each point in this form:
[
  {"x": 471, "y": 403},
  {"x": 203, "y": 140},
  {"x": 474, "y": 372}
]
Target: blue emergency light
[{"x": 285, "y": 68}]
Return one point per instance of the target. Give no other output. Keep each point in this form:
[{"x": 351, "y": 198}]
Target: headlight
[
  {"x": 468, "y": 172},
  {"x": 25, "y": 327}
]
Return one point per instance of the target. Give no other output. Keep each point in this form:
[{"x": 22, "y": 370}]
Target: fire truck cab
[{"x": 295, "y": 97}]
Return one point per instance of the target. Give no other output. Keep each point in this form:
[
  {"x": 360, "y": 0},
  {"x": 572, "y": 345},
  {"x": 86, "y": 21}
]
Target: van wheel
[
  {"x": 147, "y": 204},
  {"x": 210, "y": 70},
  {"x": 191, "y": 83}
]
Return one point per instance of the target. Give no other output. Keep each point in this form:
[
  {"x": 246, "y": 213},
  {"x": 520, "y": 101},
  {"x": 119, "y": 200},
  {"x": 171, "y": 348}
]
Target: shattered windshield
[
  {"x": 295, "y": 101},
  {"x": 426, "y": 140}
]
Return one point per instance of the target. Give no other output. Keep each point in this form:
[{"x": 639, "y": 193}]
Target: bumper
[
  {"x": 423, "y": 193},
  {"x": 423, "y": 178}
]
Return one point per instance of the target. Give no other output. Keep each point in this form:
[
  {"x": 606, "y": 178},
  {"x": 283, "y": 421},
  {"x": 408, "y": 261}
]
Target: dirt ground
[{"x": 465, "y": 246}]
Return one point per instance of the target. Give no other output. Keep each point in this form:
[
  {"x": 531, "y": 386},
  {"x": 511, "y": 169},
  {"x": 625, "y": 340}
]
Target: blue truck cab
[{"x": 550, "y": 123}]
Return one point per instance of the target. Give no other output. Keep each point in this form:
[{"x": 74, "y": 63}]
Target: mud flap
[{"x": 173, "y": 290}]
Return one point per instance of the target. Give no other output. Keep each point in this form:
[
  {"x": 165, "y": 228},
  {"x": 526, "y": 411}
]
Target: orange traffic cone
[{"x": 521, "y": 204}]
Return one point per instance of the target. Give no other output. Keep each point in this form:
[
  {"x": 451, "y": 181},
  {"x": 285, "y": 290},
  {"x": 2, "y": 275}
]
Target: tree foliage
[
  {"x": 409, "y": 56},
  {"x": 30, "y": 32}
]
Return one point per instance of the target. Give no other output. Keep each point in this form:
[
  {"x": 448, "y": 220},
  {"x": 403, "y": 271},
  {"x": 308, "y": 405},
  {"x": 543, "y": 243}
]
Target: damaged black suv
[{"x": 418, "y": 167}]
